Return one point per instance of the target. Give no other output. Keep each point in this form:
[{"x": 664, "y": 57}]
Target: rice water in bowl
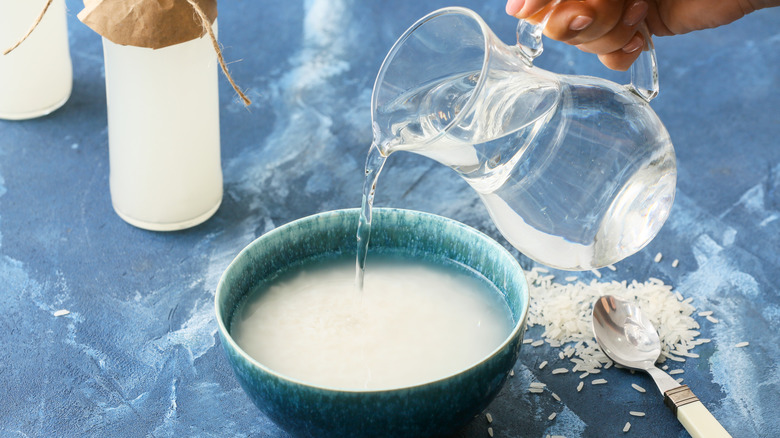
[{"x": 419, "y": 351}]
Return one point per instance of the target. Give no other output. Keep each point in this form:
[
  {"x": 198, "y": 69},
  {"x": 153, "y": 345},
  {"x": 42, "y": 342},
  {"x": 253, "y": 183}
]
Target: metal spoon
[{"x": 628, "y": 338}]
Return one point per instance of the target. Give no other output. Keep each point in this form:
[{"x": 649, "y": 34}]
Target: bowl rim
[{"x": 517, "y": 329}]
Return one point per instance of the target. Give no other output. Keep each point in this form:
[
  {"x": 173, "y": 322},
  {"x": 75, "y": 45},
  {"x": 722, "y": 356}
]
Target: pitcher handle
[{"x": 644, "y": 71}]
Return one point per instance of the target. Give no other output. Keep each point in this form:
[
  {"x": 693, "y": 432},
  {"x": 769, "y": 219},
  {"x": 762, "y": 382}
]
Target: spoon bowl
[
  {"x": 625, "y": 334},
  {"x": 628, "y": 337}
]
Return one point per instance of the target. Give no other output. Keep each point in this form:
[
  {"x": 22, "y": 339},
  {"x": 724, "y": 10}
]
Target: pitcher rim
[{"x": 402, "y": 39}]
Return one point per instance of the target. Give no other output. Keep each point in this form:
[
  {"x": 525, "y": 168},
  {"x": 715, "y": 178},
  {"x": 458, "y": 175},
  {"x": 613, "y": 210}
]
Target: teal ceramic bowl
[{"x": 432, "y": 409}]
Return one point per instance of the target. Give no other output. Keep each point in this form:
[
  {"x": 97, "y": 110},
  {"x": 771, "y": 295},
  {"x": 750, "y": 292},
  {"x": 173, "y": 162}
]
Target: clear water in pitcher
[{"x": 576, "y": 172}]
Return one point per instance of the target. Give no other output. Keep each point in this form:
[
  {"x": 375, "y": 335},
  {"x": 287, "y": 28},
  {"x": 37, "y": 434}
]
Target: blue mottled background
[{"x": 139, "y": 355}]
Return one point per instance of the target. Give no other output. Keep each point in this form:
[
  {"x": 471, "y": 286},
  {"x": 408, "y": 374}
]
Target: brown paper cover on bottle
[{"x": 147, "y": 23}]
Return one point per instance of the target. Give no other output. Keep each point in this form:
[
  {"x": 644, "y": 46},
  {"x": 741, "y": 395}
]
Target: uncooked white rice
[
  {"x": 627, "y": 427},
  {"x": 564, "y": 313},
  {"x": 637, "y": 387},
  {"x": 611, "y": 268},
  {"x": 543, "y": 364},
  {"x": 579, "y": 387},
  {"x": 528, "y": 341},
  {"x": 535, "y": 390},
  {"x": 537, "y": 385},
  {"x": 636, "y": 413},
  {"x": 489, "y": 417},
  {"x": 675, "y": 263},
  {"x": 560, "y": 371},
  {"x": 742, "y": 344},
  {"x": 511, "y": 373},
  {"x": 571, "y": 278},
  {"x": 596, "y": 273},
  {"x": 490, "y": 431},
  {"x": 555, "y": 396},
  {"x": 552, "y": 416},
  {"x": 598, "y": 382},
  {"x": 658, "y": 257},
  {"x": 61, "y": 312},
  {"x": 677, "y": 371},
  {"x": 712, "y": 319}
]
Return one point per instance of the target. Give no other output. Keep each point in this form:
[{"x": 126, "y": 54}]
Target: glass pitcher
[{"x": 577, "y": 172}]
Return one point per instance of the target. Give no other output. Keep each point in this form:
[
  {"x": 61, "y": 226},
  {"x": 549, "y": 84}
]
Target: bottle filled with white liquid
[
  {"x": 162, "y": 95},
  {"x": 36, "y": 77},
  {"x": 163, "y": 133}
]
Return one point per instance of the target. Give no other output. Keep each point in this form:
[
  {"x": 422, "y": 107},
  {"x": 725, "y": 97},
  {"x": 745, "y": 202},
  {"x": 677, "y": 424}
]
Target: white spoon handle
[
  {"x": 693, "y": 415},
  {"x": 699, "y": 422}
]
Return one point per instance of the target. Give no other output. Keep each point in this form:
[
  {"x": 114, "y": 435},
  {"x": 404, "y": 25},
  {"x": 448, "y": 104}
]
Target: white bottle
[
  {"x": 163, "y": 133},
  {"x": 36, "y": 78}
]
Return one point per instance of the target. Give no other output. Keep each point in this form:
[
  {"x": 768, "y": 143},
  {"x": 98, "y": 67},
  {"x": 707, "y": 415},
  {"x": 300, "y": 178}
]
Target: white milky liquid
[
  {"x": 163, "y": 133},
  {"x": 36, "y": 78},
  {"x": 413, "y": 322}
]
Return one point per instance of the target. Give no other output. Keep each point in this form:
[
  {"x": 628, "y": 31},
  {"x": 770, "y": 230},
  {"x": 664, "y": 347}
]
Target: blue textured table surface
[{"x": 139, "y": 355}]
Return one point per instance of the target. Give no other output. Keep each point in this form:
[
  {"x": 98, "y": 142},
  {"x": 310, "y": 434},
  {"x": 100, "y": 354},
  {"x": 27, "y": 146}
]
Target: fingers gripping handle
[{"x": 644, "y": 71}]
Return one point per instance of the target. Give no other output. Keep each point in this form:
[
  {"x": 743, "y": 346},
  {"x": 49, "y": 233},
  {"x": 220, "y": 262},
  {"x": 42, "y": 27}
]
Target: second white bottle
[{"x": 163, "y": 133}]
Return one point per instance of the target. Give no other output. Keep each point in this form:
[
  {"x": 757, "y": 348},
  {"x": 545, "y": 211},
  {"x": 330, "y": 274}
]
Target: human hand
[{"x": 610, "y": 28}]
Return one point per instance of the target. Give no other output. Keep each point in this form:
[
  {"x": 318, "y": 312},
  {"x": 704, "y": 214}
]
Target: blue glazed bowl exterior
[{"x": 432, "y": 409}]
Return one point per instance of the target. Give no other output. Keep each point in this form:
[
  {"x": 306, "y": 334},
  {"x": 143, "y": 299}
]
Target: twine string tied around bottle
[{"x": 207, "y": 26}]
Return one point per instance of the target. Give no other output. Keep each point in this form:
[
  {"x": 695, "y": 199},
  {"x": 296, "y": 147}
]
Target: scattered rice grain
[
  {"x": 489, "y": 417},
  {"x": 537, "y": 385},
  {"x": 675, "y": 263},
  {"x": 555, "y": 396},
  {"x": 611, "y": 267},
  {"x": 527, "y": 341},
  {"x": 490, "y": 431},
  {"x": 637, "y": 387},
  {"x": 598, "y": 382},
  {"x": 563, "y": 310},
  {"x": 680, "y": 380},
  {"x": 537, "y": 343},
  {"x": 627, "y": 426},
  {"x": 571, "y": 278},
  {"x": 543, "y": 364},
  {"x": 677, "y": 371},
  {"x": 742, "y": 344},
  {"x": 658, "y": 257},
  {"x": 584, "y": 375},
  {"x": 712, "y": 320},
  {"x": 637, "y": 413},
  {"x": 552, "y": 416},
  {"x": 579, "y": 387},
  {"x": 511, "y": 373},
  {"x": 560, "y": 371},
  {"x": 61, "y": 312},
  {"x": 596, "y": 273},
  {"x": 535, "y": 390}
]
